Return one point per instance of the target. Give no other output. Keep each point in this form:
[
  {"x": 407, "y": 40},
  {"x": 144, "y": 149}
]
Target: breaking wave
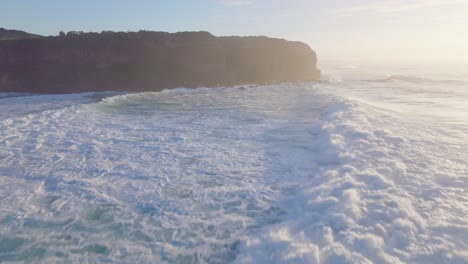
[
  {"x": 374, "y": 198},
  {"x": 297, "y": 173},
  {"x": 417, "y": 79}
]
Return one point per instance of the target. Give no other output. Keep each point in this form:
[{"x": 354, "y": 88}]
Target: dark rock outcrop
[{"x": 149, "y": 61}]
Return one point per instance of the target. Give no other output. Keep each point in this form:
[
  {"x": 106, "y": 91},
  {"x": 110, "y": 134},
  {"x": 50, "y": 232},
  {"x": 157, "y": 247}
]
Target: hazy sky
[{"x": 336, "y": 29}]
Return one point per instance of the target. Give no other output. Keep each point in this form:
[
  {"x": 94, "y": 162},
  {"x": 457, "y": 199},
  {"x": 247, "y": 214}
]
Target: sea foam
[{"x": 348, "y": 171}]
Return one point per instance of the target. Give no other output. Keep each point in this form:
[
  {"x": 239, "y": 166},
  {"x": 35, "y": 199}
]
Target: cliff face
[{"x": 149, "y": 61}]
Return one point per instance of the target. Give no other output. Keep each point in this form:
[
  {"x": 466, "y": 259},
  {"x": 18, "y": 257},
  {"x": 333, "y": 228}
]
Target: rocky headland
[{"x": 147, "y": 61}]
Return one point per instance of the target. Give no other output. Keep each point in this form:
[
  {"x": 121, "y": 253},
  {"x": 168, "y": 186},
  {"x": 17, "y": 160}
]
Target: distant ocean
[{"x": 369, "y": 165}]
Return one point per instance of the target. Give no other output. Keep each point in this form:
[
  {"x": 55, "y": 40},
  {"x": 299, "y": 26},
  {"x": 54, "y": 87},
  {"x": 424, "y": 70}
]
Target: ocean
[{"x": 368, "y": 165}]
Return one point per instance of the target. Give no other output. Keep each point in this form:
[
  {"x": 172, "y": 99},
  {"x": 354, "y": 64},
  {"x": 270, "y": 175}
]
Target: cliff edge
[{"x": 149, "y": 61}]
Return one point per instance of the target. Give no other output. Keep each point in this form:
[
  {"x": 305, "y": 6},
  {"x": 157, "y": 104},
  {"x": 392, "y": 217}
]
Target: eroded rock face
[{"x": 149, "y": 61}]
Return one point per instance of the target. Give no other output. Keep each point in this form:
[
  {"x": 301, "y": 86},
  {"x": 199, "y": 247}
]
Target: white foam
[
  {"x": 388, "y": 192},
  {"x": 308, "y": 173},
  {"x": 175, "y": 176}
]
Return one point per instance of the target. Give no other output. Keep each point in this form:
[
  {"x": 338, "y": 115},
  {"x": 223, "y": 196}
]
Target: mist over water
[{"x": 368, "y": 165}]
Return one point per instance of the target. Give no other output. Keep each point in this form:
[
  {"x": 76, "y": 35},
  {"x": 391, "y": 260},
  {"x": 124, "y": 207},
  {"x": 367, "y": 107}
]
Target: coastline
[{"x": 150, "y": 61}]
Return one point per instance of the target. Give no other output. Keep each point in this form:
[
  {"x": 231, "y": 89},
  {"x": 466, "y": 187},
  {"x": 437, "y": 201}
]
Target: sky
[{"x": 414, "y": 30}]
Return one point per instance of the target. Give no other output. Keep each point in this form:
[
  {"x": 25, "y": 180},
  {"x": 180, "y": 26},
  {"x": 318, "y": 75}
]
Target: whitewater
[{"x": 368, "y": 165}]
